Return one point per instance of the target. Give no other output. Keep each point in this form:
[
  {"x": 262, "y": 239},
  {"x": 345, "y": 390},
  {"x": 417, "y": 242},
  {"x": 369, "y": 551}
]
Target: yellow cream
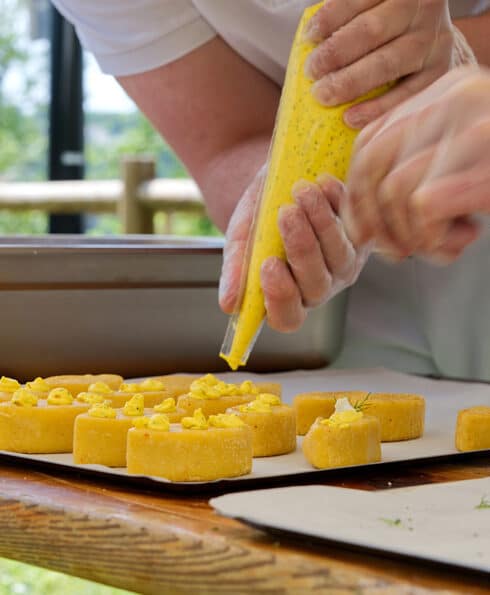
[
  {"x": 309, "y": 139},
  {"x": 140, "y": 422},
  {"x": 135, "y": 405},
  {"x": 258, "y": 406},
  {"x": 196, "y": 422},
  {"x": 344, "y": 414},
  {"x": 102, "y": 410},
  {"x": 129, "y": 388},
  {"x": 152, "y": 385},
  {"x": 269, "y": 398},
  {"x": 90, "y": 398},
  {"x": 224, "y": 420},
  {"x": 24, "y": 397},
  {"x": 59, "y": 396},
  {"x": 8, "y": 385},
  {"x": 166, "y": 406},
  {"x": 247, "y": 387},
  {"x": 39, "y": 385},
  {"x": 160, "y": 422},
  {"x": 210, "y": 387},
  {"x": 100, "y": 387}
]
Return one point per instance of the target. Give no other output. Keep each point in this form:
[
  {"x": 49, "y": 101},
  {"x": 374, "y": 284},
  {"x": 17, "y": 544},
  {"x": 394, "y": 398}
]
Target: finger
[
  {"x": 392, "y": 61},
  {"x": 462, "y": 233},
  {"x": 337, "y": 251},
  {"x": 235, "y": 249},
  {"x": 285, "y": 311},
  {"x": 443, "y": 92},
  {"x": 360, "y": 211},
  {"x": 333, "y": 189},
  {"x": 333, "y": 15},
  {"x": 362, "y": 114},
  {"x": 449, "y": 196},
  {"x": 231, "y": 277},
  {"x": 394, "y": 198},
  {"x": 360, "y": 36},
  {"x": 304, "y": 255}
]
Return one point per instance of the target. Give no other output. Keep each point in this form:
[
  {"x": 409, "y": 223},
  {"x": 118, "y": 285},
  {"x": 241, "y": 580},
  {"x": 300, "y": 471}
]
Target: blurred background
[{"x": 62, "y": 119}]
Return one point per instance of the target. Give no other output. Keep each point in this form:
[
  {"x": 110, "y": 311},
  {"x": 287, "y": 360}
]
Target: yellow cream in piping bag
[{"x": 309, "y": 139}]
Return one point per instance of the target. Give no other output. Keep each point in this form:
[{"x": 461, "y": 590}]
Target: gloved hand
[
  {"x": 321, "y": 260},
  {"x": 419, "y": 174},
  {"x": 367, "y": 43}
]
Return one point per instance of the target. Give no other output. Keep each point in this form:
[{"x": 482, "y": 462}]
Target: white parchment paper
[
  {"x": 443, "y": 401},
  {"x": 447, "y": 522}
]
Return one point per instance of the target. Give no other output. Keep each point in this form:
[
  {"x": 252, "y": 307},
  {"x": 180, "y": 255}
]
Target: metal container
[{"x": 132, "y": 305}]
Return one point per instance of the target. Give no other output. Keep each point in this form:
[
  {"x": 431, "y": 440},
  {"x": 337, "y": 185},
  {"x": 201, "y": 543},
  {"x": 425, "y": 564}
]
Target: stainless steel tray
[{"x": 135, "y": 305}]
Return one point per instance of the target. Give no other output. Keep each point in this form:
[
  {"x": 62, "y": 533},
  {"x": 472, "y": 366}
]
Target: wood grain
[{"x": 156, "y": 542}]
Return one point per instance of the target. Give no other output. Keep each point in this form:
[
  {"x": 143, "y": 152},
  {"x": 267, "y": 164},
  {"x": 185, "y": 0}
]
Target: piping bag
[{"x": 308, "y": 139}]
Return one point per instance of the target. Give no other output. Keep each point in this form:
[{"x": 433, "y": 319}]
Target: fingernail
[
  {"x": 300, "y": 188},
  {"x": 308, "y": 70},
  {"x": 322, "y": 92},
  {"x": 349, "y": 225},
  {"x": 224, "y": 287},
  {"x": 326, "y": 179},
  {"x": 286, "y": 215},
  {"x": 311, "y": 32},
  {"x": 355, "y": 118}
]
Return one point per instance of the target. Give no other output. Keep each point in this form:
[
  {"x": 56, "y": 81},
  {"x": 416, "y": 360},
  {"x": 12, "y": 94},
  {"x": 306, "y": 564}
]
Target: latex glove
[
  {"x": 321, "y": 260},
  {"x": 364, "y": 44},
  {"x": 420, "y": 173}
]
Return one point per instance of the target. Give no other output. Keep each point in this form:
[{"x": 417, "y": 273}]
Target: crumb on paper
[
  {"x": 484, "y": 503},
  {"x": 391, "y": 522}
]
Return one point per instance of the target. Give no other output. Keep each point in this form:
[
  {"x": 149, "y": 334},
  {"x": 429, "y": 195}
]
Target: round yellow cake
[
  {"x": 214, "y": 396},
  {"x": 79, "y": 383},
  {"x": 193, "y": 451},
  {"x": 401, "y": 415},
  {"x": 309, "y": 406},
  {"x": 100, "y": 434},
  {"x": 473, "y": 428},
  {"x": 273, "y": 425},
  {"x": 153, "y": 390},
  {"x": 348, "y": 437},
  {"x": 39, "y": 426}
]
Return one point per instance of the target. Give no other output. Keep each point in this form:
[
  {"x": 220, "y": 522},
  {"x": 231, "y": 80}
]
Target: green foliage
[
  {"x": 109, "y": 136},
  {"x": 23, "y": 140},
  {"x": 21, "y": 579},
  {"x": 25, "y": 222}
]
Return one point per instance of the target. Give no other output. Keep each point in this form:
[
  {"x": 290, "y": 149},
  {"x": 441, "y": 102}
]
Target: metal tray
[{"x": 135, "y": 305}]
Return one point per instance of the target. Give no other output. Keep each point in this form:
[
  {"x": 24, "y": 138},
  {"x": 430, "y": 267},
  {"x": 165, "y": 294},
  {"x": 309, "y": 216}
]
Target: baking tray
[
  {"x": 443, "y": 401},
  {"x": 133, "y": 305}
]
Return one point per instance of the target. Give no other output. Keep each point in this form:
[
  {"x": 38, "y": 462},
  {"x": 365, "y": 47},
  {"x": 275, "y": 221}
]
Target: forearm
[
  {"x": 477, "y": 32},
  {"x": 227, "y": 176}
]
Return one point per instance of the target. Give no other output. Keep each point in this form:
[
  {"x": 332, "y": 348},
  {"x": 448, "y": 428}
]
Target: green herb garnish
[
  {"x": 362, "y": 403},
  {"x": 484, "y": 503},
  {"x": 391, "y": 522}
]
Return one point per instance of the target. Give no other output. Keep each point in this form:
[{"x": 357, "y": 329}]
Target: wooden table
[{"x": 157, "y": 542}]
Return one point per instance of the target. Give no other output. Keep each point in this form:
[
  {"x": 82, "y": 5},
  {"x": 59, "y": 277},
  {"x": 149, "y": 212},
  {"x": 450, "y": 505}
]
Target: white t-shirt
[
  {"x": 412, "y": 316},
  {"x": 130, "y": 36}
]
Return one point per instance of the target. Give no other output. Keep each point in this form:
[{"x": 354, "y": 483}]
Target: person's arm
[
  {"x": 217, "y": 112},
  {"x": 477, "y": 33}
]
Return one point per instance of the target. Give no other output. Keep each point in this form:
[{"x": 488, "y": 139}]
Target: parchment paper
[
  {"x": 443, "y": 400},
  {"x": 447, "y": 522}
]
